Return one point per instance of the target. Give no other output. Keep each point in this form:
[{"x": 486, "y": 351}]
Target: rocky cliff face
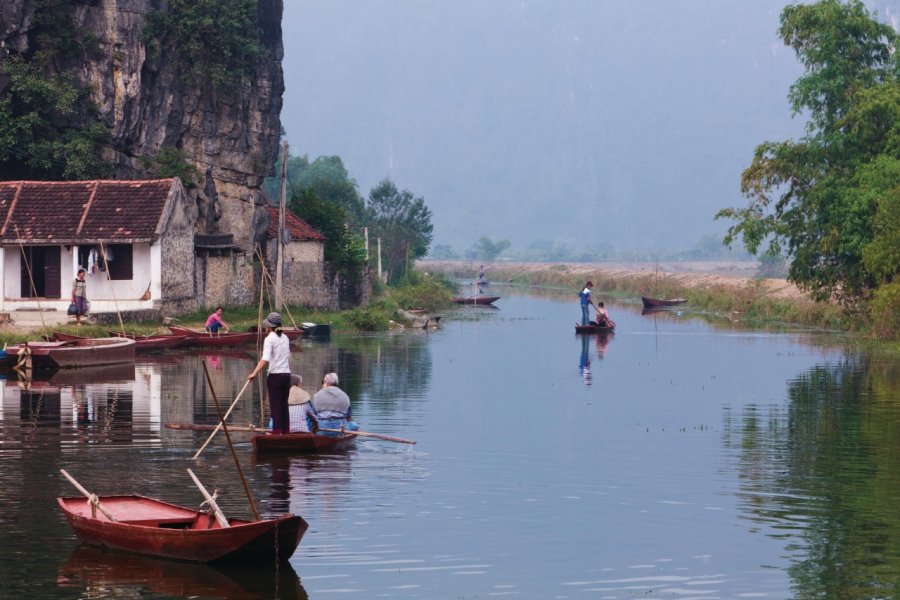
[{"x": 231, "y": 135}]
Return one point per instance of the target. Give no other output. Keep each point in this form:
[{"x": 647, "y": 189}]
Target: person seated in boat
[
  {"x": 602, "y": 316},
  {"x": 214, "y": 322},
  {"x": 332, "y": 406},
  {"x": 302, "y": 415},
  {"x": 585, "y": 295}
]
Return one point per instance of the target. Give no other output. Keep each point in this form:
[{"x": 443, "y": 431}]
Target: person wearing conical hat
[{"x": 277, "y": 356}]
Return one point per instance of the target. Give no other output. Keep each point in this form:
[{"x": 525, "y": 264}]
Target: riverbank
[{"x": 727, "y": 288}]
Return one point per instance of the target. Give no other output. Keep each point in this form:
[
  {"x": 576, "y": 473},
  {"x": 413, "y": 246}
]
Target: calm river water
[{"x": 675, "y": 459}]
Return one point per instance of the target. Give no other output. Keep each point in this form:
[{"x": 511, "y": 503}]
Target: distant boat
[
  {"x": 596, "y": 328},
  {"x": 659, "y": 303},
  {"x": 195, "y": 337},
  {"x": 476, "y": 300}
]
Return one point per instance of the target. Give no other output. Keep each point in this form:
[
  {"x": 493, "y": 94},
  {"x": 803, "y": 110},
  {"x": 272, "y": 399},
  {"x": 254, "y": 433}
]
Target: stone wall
[
  {"x": 177, "y": 255},
  {"x": 224, "y": 279}
]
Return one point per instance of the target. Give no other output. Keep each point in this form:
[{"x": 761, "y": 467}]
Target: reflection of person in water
[
  {"x": 602, "y": 343},
  {"x": 584, "y": 364}
]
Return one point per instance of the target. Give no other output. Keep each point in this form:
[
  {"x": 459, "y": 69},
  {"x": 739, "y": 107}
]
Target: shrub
[{"x": 884, "y": 311}]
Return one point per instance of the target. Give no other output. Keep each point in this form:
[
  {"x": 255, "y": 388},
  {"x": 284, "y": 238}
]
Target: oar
[
  {"x": 211, "y": 500},
  {"x": 92, "y": 498},
  {"x": 204, "y": 427},
  {"x": 219, "y": 426},
  {"x": 372, "y": 435}
]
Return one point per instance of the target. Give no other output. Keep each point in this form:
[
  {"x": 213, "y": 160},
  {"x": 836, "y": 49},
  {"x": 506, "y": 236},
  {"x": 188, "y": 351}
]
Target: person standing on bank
[
  {"x": 277, "y": 355},
  {"x": 79, "y": 296},
  {"x": 585, "y": 302}
]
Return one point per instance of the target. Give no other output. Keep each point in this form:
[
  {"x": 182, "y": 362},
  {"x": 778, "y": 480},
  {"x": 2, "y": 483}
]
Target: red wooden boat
[
  {"x": 77, "y": 352},
  {"x": 658, "y": 303},
  {"x": 596, "y": 328},
  {"x": 195, "y": 337},
  {"x": 304, "y": 443},
  {"x": 476, "y": 300},
  {"x": 148, "y": 526},
  {"x": 148, "y": 343}
]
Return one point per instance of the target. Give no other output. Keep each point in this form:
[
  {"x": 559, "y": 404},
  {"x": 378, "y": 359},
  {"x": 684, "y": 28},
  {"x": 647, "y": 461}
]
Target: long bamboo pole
[
  {"x": 219, "y": 426},
  {"x": 237, "y": 463},
  {"x": 92, "y": 498},
  {"x": 211, "y": 500}
]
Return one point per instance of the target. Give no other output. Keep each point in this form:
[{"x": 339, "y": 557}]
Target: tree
[
  {"x": 326, "y": 177},
  {"x": 813, "y": 200},
  {"x": 403, "y": 223},
  {"x": 344, "y": 249},
  {"x": 488, "y": 250}
]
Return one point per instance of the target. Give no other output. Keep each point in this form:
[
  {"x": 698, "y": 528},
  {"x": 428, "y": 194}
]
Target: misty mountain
[{"x": 578, "y": 122}]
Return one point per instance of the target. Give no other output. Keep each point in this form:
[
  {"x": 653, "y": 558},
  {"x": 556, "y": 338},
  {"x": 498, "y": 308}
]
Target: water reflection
[
  {"x": 301, "y": 482},
  {"x": 584, "y": 361},
  {"x": 823, "y": 473},
  {"x": 96, "y": 573}
]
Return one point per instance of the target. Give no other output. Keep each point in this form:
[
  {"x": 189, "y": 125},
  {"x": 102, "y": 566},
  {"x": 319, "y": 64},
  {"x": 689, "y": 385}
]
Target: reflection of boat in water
[
  {"x": 303, "y": 443},
  {"x": 119, "y": 373},
  {"x": 149, "y": 526},
  {"x": 131, "y": 575}
]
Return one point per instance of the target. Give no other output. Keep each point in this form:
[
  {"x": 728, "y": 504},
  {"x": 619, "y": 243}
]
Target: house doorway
[{"x": 41, "y": 266}]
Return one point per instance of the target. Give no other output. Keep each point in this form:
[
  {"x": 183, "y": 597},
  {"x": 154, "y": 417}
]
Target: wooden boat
[
  {"x": 292, "y": 333},
  {"x": 147, "y": 526},
  {"x": 476, "y": 300},
  {"x": 77, "y": 352},
  {"x": 305, "y": 443},
  {"x": 148, "y": 343},
  {"x": 195, "y": 337},
  {"x": 658, "y": 303},
  {"x": 596, "y": 328}
]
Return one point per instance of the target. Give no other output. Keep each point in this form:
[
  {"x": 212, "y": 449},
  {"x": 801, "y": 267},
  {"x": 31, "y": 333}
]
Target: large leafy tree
[
  {"x": 403, "y": 223},
  {"x": 326, "y": 177},
  {"x": 345, "y": 250},
  {"x": 817, "y": 199}
]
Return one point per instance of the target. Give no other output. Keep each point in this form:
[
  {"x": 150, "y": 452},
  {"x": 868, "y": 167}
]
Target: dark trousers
[{"x": 279, "y": 387}]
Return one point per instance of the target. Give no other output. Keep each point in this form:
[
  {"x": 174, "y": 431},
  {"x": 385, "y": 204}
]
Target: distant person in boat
[
  {"x": 214, "y": 322},
  {"x": 602, "y": 316},
  {"x": 585, "y": 302},
  {"x": 79, "y": 296},
  {"x": 303, "y": 415},
  {"x": 481, "y": 274},
  {"x": 332, "y": 405},
  {"x": 277, "y": 356}
]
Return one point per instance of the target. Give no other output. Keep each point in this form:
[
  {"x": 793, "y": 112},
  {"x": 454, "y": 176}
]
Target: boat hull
[
  {"x": 78, "y": 352},
  {"x": 594, "y": 329},
  {"x": 154, "y": 528},
  {"x": 303, "y": 443},
  {"x": 194, "y": 337},
  {"x": 476, "y": 300},
  {"x": 658, "y": 303},
  {"x": 149, "y": 343}
]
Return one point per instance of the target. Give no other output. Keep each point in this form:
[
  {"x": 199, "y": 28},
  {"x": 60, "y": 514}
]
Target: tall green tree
[
  {"x": 326, "y": 177},
  {"x": 403, "y": 223},
  {"x": 345, "y": 249},
  {"x": 813, "y": 199}
]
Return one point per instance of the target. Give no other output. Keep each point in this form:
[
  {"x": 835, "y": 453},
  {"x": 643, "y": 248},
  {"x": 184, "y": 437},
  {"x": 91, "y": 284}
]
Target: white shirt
[{"x": 277, "y": 352}]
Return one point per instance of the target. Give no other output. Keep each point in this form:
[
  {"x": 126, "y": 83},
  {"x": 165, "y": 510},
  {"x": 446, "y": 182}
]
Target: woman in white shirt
[{"x": 277, "y": 355}]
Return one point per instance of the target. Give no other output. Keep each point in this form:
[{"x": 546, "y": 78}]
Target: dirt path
[{"x": 736, "y": 274}]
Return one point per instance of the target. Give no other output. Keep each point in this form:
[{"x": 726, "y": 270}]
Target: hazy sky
[{"x": 625, "y": 122}]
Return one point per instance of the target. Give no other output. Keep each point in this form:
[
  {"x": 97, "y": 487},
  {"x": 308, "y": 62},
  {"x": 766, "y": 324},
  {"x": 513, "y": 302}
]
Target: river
[{"x": 677, "y": 458}]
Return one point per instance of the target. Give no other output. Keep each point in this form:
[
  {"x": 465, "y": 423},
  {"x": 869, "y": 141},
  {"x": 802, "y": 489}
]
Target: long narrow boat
[
  {"x": 195, "y": 337},
  {"x": 148, "y": 343},
  {"x": 596, "y": 328},
  {"x": 303, "y": 443},
  {"x": 155, "y": 528},
  {"x": 292, "y": 333},
  {"x": 475, "y": 300},
  {"x": 659, "y": 303},
  {"x": 79, "y": 352}
]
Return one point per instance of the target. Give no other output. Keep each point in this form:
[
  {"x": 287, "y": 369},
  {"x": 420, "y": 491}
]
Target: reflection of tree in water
[
  {"x": 826, "y": 471},
  {"x": 387, "y": 367}
]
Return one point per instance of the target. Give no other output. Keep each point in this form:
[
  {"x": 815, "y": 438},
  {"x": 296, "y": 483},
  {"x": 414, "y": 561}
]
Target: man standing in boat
[
  {"x": 332, "y": 405},
  {"x": 585, "y": 302}
]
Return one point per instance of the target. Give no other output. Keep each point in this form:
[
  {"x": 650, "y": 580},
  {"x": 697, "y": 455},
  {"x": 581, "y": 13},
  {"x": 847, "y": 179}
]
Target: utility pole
[
  {"x": 366, "y": 233},
  {"x": 279, "y": 269},
  {"x": 379, "y": 259}
]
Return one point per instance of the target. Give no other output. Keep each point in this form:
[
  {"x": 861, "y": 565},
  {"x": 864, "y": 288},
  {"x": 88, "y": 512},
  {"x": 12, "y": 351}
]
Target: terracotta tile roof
[
  {"x": 73, "y": 211},
  {"x": 299, "y": 229}
]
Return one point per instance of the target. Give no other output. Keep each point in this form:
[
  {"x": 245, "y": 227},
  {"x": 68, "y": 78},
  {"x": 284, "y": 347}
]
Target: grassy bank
[{"x": 751, "y": 303}]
